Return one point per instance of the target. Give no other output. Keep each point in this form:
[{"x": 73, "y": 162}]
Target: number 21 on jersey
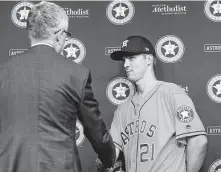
[{"x": 147, "y": 152}]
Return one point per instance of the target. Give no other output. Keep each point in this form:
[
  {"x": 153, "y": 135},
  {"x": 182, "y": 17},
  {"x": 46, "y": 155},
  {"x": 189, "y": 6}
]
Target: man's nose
[{"x": 126, "y": 63}]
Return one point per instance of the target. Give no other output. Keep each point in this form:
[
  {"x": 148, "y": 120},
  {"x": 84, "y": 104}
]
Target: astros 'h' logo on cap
[
  {"x": 134, "y": 45},
  {"x": 124, "y": 44}
]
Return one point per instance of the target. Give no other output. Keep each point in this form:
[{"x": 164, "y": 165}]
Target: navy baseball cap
[{"x": 134, "y": 45}]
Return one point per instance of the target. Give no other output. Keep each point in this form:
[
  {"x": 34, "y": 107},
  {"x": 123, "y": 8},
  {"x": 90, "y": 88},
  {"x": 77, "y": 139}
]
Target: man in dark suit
[{"x": 42, "y": 94}]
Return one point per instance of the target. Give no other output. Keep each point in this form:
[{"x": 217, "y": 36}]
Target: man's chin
[{"x": 130, "y": 78}]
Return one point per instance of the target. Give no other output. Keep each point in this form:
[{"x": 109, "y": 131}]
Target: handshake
[{"x": 118, "y": 166}]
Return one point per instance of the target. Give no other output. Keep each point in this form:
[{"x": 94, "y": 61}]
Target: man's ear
[
  {"x": 59, "y": 36},
  {"x": 150, "y": 59}
]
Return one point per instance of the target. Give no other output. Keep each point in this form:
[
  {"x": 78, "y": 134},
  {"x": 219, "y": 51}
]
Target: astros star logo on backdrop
[
  {"x": 215, "y": 166},
  {"x": 170, "y": 49},
  {"x": 79, "y": 133},
  {"x": 19, "y": 13},
  {"x": 120, "y": 12},
  {"x": 119, "y": 90},
  {"x": 218, "y": 88},
  {"x": 71, "y": 51},
  {"x": 23, "y": 14},
  {"x": 212, "y": 10},
  {"x": 74, "y": 49},
  {"x": 216, "y": 7},
  {"x": 214, "y": 88}
]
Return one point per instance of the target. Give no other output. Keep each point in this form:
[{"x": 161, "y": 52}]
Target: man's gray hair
[{"x": 43, "y": 19}]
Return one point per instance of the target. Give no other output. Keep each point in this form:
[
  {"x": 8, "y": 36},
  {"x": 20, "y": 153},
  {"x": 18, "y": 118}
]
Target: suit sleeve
[
  {"x": 187, "y": 121},
  {"x": 94, "y": 127},
  {"x": 115, "y": 131}
]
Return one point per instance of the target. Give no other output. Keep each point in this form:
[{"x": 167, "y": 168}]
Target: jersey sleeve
[
  {"x": 116, "y": 130},
  {"x": 187, "y": 121}
]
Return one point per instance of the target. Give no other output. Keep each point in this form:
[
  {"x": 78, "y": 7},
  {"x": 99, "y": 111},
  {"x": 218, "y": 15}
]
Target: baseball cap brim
[{"x": 118, "y": 55}]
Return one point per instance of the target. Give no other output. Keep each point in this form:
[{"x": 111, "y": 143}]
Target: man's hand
[
  {"x": 98, "y": 165},
  {"x": 118, "y": 166}
]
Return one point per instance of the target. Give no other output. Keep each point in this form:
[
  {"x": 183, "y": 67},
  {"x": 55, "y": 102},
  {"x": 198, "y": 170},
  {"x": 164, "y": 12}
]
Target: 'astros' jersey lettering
[{"x": 152, "y": 134}]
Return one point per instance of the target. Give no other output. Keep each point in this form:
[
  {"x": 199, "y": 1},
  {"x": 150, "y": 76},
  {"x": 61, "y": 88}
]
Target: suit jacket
[{"x": 42, "y": 94}]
